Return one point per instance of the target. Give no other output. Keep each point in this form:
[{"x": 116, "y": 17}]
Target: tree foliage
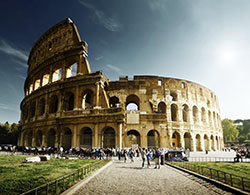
[
  {"x": 9, "y": 133},
  {"x": 230, "y": 130}
]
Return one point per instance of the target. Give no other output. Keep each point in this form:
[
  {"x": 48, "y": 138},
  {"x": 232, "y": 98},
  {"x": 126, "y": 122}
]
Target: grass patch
[
  {"x": 17, "y": 177},
  {"x": 238, "y": 170}
]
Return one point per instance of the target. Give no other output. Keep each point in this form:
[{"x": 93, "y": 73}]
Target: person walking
[
  {"x": 148, "y": 154},
  {"x": 157, "y": 158},
  {"x": 143, "y": 154}
]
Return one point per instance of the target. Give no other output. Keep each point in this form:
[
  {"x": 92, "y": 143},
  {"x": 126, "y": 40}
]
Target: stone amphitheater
[{"x": 67, "y": 105}]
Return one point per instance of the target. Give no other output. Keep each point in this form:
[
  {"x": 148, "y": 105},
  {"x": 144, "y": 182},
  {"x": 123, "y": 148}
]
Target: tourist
[
  {"x": 125, "y": 154},
  {"x": 143, "y": 154},
  {"x": 148, "y": 154},
  {"x": 157, "y": 158}
]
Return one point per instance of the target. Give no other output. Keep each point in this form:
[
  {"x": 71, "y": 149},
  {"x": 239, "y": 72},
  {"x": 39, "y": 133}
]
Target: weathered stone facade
[{"x": 67, "y": 105}]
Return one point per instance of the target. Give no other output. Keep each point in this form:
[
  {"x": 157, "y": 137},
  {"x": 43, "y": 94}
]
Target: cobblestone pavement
[{"x": 130, "y": 178}]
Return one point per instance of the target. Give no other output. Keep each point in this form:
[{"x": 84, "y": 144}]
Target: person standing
[
  {"x": 148, "y": 154},
  {"x": 157, "y": 158},
  {"x": 143, "y": 154}
]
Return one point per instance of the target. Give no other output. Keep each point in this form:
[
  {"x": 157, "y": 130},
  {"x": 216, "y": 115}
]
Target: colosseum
[{"x": 67, "y": 105}]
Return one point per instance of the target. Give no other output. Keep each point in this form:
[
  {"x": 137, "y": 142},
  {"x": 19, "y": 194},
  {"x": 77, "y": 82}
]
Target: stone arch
[
  {"x": 217, "y": 142},
  {"x": 53, "y": 106},
  {"x": 86, "y": 137},
  {"x": 185, "y": 116},
  {"x": 212, "y": 142},
  {"x": 109, "y": 138},
  {"x": 153, "y": 138},
  {"x": 203, "y": 115},
  {"x": 209, "y": 117},
  {"x": 174, "y": 112},
  {"x": 37, "y": 84},
  {"x": 39, "y": 138},
  {"x": 187, "y": 141},
  {"x": 29, "y": 138},
  {"x": 57, "y": 75},
  {"x": 132, "y": 102},
  {"x": 67, "y": 138},
  {"x": 41, "y": 107},
  {"x": 32, "y": 109},
  {"x": 162, "y": 107},
  {"x": 69, "y": 101},
  {"x": 206, "y": 142},
  {"x": 133, "y": 138},
  {"x": 176, "y": 139},
  {"x": 51, "y": 137},
  {"x": 114, "y": 102},
  {"x": 173, "y": 96},
  {"x": 195, "y": 114},
  {"x": 71, "y": 71},
  {"x": 87, "y": 99},
  {"x": 45, "y": 79},
  {"x": 198, "y": 142}
]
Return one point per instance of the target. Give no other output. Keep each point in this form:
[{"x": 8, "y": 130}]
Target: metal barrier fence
[
  {"x": 216, "y": 159},
  {"x": 63, "y": 183},
  {"x": 227, "y": 178}
]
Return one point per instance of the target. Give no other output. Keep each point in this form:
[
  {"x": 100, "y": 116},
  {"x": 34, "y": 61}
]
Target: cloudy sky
[{"x": 206, "y": 41}]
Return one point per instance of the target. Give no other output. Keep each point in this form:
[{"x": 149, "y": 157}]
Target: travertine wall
[{"x": 67, "y": 105}]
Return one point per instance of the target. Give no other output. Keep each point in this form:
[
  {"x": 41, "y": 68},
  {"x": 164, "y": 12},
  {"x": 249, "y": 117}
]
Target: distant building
[{"x": 67, "y": 105}]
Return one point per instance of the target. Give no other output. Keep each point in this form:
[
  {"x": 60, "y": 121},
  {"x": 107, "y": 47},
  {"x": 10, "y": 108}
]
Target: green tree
[{"x": 229, "y": 130}]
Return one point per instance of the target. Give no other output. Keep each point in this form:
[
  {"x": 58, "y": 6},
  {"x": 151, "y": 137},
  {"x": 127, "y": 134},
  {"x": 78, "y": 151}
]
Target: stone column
[
  {"x": 50, "y": 74},
  {"x": 168, "y": 111},
  {"x": 56, "y": 140},
  {"x": 97, "y": 94},
  {"x": 119, "y": 140},
  {"x": 190, "y": 116},
  {"x": 182, "y": 142},
  {"x": 33, "y": 138},
  {"x": 77, "y": 105},
  {"x": 193, "y": 143},
  {"x": 202, "y": 143},
  {"x": 96, "y": 137},
  {"x": 44, "y": 141},
  {"x": 74, "y": 136},
  {"x": 180, "y": 117},
  {"x": 144, "y": 141},
  {"x": 170, "y": 134}
]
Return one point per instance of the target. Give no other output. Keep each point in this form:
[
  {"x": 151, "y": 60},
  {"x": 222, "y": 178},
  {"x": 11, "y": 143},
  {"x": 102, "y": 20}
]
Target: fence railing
[
  {"x": 63, "y": 183},
  {"x": 217, "y": 159},
  {"x": 227, "y": 178}
]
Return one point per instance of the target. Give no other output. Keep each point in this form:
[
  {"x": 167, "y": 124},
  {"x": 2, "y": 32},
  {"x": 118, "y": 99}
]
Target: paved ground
[{"x": 130, "y": 178}]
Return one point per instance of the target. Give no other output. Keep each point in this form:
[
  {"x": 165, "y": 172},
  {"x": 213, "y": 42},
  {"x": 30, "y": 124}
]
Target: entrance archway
[
  {"x": 39, "y": 138},
  {"x": 109, "y": 138},
  {"x": 206, "y": 142},
  {"x": 51, "y": 138},
  {"x": 176, "y": 139},
  {"x": 133, "y": 138},
  {"x": 67, "y": 139},
  {"x": 198, "y": 142},
  {"x": 86, "y": 138},
  {"x": 187, "y": 140},
  {"x": 153, "y": 139}
]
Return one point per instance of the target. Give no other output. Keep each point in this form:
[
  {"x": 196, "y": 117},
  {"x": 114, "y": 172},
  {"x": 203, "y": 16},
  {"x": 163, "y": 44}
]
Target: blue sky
[{"x": 204, "y": 41}]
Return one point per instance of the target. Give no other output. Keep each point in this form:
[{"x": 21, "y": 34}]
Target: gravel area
[{"x": 130, "y": 178}]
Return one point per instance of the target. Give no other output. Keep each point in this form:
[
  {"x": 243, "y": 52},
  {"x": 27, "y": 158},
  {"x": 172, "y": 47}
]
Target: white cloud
[
  {"x": 114, "y": 68},
  {"x": 157, "y": 5},
  {"x": 24, "y": 65},
  {"x": 110, "y": 23},
  {"x": 98, "y": 58},
  {"x": 8, "y": 49},
  {"x": 5, "y": 107}
]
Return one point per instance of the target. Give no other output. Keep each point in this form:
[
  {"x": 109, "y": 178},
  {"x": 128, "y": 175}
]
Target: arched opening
[
  {"x": 69, "y": 101},
  {"x": 30, "y": 88},
  {"x": 214, "y": 119},
  {"x": 133, "y": 138},
  {"x": 217, "y": 143},
  {"x": 153, "y": 139},
  {"x": 162, "y": 107},
  {"x": 39, "y": 138},
  {"x": 86, "y": 138},
  {"x": 41, "y": 107},
  {"x": 195, "y": 114},
  {"x": 109, "y": 138},
  {"x": 132, "y": 103},
  {"x": 57, "y": 75},
  {"x": 30, "y": 136},
  {"x": 67, "y": 139},
  {"x": 45, "y": 79},
  {"x": 37, "y": 84},
  {"x": 187, "y": 140},
  {"x": 25, "y": 112},
  {"x": 87, "y": 99},
  {"x": 174, "y": 110},
  {"x": 114, "y": 102},
  {"x": 173, "y": 96},
  {"x": 53, "y": 108},
  {"x": 203, "y": 115},
  {"x": 212, "y": 142},
  {"x": 206, "y": 142},
  {"x": 71, "y": 71},
  {"x": 51, "y": 138},
  {"x": 198, "y": 142},
  {"x": 185, "y": 113},
  {"x": 33, "y": 109},
  {"x": 209, "y": 117},
  {"x": 176, "y": 140}
]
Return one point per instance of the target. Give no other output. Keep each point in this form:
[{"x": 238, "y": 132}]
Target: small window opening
[
  {"x": 183, "y": 85},
  {"x": 159, "y": 82},
  {"x": 201, "y": 92},
  {"x": 57, "y": 74}
]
